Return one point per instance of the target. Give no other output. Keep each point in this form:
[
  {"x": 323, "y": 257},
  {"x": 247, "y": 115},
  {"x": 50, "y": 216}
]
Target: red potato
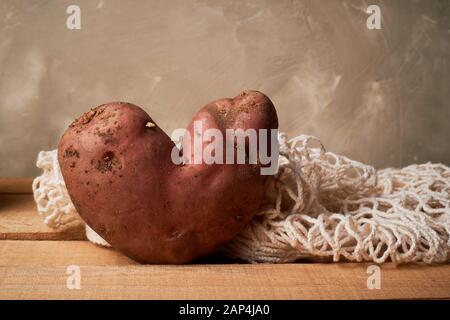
[{"x": 117, "y": 166}]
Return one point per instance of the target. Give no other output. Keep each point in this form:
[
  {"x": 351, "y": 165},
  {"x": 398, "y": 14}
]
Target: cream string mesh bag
[
  {"x": 320, "y": 206},
  {"x": 53, "y": 201}
]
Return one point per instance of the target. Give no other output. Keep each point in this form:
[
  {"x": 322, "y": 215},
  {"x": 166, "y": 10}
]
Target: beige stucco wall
[{"x": 380, "y": 97}]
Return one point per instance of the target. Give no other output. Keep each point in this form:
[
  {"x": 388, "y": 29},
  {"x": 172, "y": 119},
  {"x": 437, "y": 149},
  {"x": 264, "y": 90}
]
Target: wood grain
[
  {"x": 37, "y": 269},
  {"x": 19, "y": 220},
  {"x": 31, "y": 269}
]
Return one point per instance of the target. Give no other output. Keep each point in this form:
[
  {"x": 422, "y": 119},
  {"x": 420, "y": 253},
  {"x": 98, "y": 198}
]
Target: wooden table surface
[{"x": 34, "y": 262}]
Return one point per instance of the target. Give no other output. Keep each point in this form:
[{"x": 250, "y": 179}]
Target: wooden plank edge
[
  {"x": 16, "y": 185},
  {"x": 40, "y": 236}
]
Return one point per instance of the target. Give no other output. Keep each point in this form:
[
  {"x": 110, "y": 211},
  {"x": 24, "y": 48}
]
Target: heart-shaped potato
[{"x": 120, "y": 173}]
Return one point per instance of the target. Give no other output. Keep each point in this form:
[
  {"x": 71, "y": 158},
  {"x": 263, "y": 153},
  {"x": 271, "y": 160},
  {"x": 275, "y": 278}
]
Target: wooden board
[
  {"x": 15, "y": 185},
  {"x": 36, "y": 269},
  {"x": 19, "y": 220},
  {"x": 34, "y": 260}
]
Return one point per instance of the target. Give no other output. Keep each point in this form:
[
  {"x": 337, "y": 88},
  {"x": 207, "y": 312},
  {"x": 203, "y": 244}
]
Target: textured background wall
[{"x": 381, "y": 97}]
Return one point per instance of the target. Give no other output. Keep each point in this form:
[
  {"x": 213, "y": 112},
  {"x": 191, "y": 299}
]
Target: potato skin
[{"x": 122, "y": 181}]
